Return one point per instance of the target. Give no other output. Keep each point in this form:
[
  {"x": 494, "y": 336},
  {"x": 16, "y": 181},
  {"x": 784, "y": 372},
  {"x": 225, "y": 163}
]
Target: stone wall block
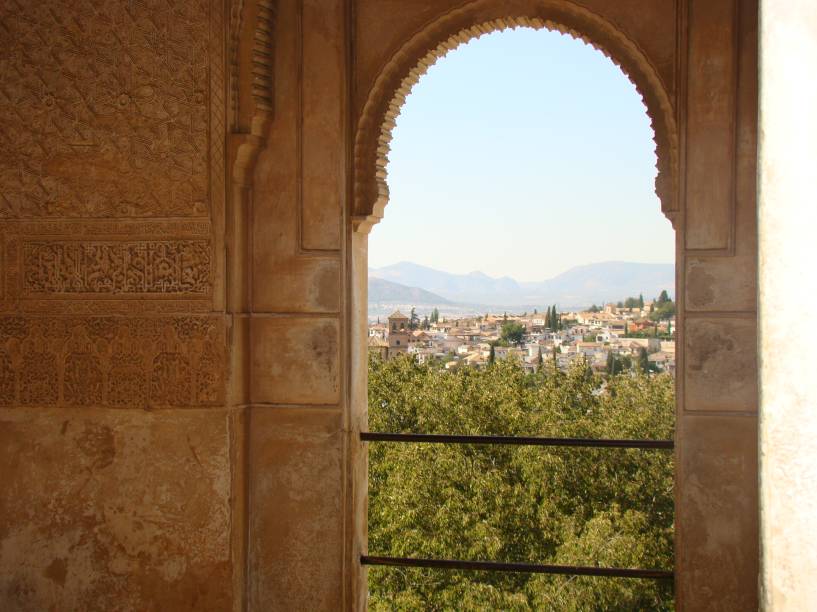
[
  {"x": 721, "y": 364},
  {"x": 115, "y": 510},
  {"x": 296, "y": 541},
  {"x": 295, "y": 360},
  {"x": 710, "y": 124},
  {"x": 717, "y": 514},
  {"x": 323, "y": 123},
  {"x": 297, "y": 284},
  {"x": 284, "y": 278},
  {"x": 725, "y": 284}
]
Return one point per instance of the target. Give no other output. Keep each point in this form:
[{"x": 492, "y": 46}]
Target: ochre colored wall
[
  {"x": 116, "y": 449},
  {"x": 185, "y": 194}
]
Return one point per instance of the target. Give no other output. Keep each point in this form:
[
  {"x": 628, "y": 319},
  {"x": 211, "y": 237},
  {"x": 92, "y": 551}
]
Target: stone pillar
[
  {"x": 787, "y": 287},
  {"x": 298, "y": 421}
]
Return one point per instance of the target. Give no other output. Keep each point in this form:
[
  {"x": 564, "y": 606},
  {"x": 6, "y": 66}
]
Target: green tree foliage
[
  {"x": 414, "y": 320},
  {"x": 435, "y": 316},
  {"x": 512, "y": 332},
  {"x": 617, "y": 364},
  {"x": 663, "y": 311},
  {"x": 553, "y": 320},
  {"x": 643, "y": 360},
  {"x": 649, "y": 332},
  {"x": 606, "y": 507},
  {"x": 594, "y": 308}
]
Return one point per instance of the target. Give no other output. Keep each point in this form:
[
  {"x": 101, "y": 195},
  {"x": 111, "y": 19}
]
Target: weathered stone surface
[
  {"x": 323, "y": 60},
  {"x": 104, "y": 510},
  {"x": 297, "y": 284},
  {"x": 299, "y": 177},
  {"x": 710, "y": 124},
  {"x": 721, "y": 284},
  {"x": 295, "y": 360},
  {"x": 296, "y": 543},
  {"x": 284, "y": 278},
  {"x": 717, "y": 513},
  {"x": 721, "y": 364}
]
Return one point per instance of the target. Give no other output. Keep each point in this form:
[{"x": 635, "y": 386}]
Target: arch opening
[
  {"x": 410, "y": 63},
  {"x": 402, "y": 341}
]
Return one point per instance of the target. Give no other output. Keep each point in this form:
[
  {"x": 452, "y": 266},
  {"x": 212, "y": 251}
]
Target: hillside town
[{"x": 612, "y": 338}]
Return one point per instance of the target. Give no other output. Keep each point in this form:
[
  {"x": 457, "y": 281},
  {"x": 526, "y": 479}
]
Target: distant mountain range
[
  {"x": 383, "y": 291},
  {"x": 410, "y": 283}
]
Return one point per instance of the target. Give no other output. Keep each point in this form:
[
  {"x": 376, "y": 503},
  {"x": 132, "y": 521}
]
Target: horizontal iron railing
[
  {"x": 497, "y": 566},
  {"x": 532, "y": 568},
  {"x": 371, "y": 436}
]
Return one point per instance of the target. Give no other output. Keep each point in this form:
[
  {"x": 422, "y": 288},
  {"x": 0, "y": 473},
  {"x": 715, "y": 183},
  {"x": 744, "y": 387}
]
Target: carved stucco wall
[{"x": 115, "y": 435}]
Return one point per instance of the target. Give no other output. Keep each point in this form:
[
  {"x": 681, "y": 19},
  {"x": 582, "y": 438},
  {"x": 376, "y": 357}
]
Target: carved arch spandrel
[{"x": 423, "y": 49}]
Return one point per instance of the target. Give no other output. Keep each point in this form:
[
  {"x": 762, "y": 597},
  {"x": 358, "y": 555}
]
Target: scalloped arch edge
[{"x": 425, "y": 48}]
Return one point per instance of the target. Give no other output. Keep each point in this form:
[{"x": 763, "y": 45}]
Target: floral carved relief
[
  {"x": 95, "y": 124},
  {"x": 146, "y": 362},
  {"x": 38, "y": 378},
  {"x": 170, "y": 379},
  {"x": 82, "y": 384},
  {"x": 112, "y": 119},
  {"x": 127, "y": 385},
  {"x": 8, "y": 383}
]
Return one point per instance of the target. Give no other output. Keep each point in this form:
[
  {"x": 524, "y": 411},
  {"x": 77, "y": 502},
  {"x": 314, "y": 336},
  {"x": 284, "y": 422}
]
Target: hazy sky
[{"x": 522, "y": 153}]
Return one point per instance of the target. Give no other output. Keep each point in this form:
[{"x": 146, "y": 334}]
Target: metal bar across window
[
  {"x": 368, "y": 436},
  {"x": 533, "y": 568},
  {"x": 496, "y": 566}
]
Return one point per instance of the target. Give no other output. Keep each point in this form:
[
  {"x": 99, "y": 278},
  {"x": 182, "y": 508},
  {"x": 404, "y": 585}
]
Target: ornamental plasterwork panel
[
  {"x": 148, "y": 362},
  {"x": 136, "y": 263},
  {"x": 110, "y": 108}
]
